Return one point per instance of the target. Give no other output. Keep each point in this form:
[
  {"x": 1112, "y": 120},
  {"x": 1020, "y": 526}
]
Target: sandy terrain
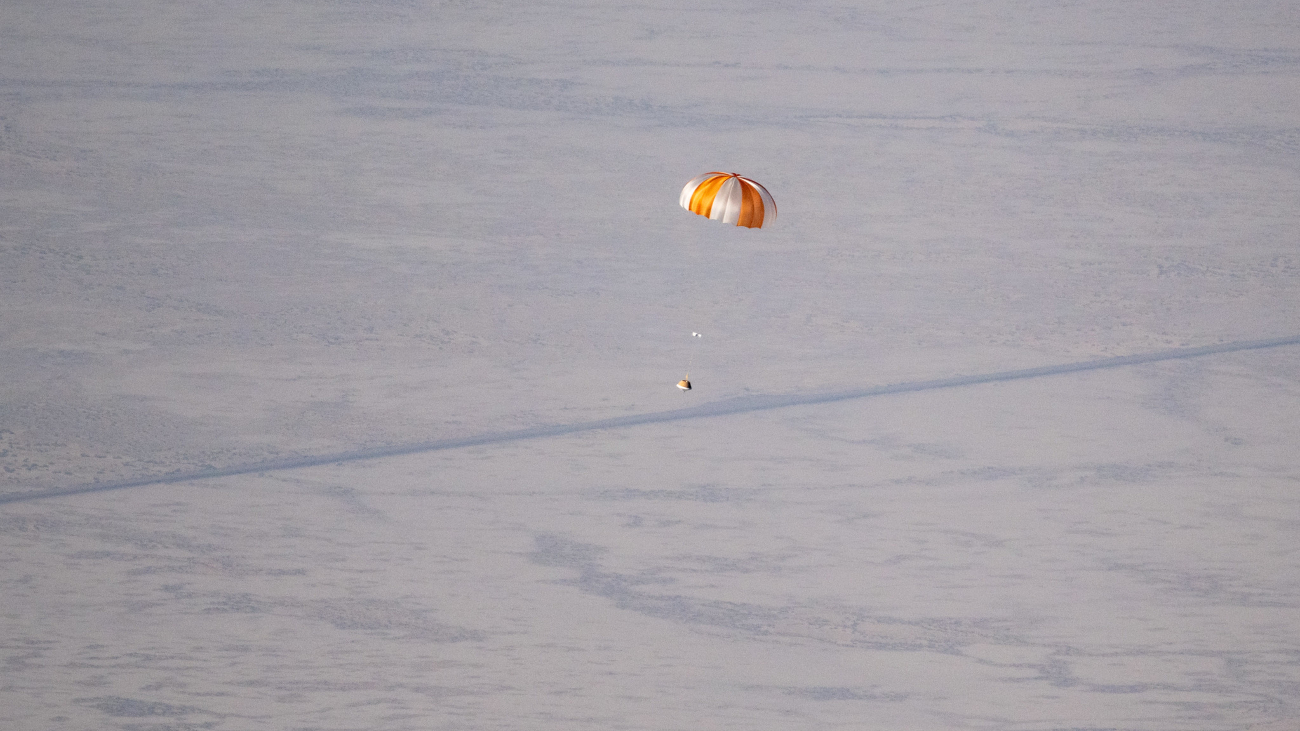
[{"x": 397, "y": 293}]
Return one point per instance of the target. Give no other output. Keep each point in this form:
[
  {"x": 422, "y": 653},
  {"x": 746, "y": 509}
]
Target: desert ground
[{"x": 338, "y": 344}]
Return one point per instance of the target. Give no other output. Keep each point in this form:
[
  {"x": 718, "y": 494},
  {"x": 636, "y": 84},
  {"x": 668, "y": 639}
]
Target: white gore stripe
[
  {"x": 769, "y": 205},
  {"x": 689, "y": 190},
  {"x": 726, "y": 204}
]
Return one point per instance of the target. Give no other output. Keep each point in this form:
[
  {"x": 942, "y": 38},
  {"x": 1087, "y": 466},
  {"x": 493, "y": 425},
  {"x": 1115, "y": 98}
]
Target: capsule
[{"x": 684, "y": 385}]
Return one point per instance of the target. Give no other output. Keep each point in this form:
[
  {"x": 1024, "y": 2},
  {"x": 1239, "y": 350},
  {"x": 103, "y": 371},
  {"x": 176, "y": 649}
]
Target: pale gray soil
[{"x": 242, "y": 236}]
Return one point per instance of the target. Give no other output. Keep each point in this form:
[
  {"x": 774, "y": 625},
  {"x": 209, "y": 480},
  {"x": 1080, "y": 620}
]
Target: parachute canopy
[{"x": 729, "y": 198}]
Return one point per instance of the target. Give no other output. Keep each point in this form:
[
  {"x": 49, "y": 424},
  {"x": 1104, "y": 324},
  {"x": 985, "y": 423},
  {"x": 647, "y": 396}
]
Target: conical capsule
[{"x": 684, "y": 385}]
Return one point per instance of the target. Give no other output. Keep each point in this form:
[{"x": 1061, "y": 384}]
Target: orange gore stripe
[
  {"x": 751, "y": 207},
  {"x": 702, "y": 200}
]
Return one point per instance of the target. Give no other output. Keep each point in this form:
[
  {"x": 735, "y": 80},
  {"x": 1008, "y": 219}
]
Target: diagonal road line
[{"x": 727, "y": 407}]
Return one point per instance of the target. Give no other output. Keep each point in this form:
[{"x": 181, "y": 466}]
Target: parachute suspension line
[{"x": 685, "y": 383}]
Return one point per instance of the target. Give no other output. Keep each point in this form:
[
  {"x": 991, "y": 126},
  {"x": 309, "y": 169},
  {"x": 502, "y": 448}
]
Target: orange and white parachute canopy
[{"x": 729, "y": 198}]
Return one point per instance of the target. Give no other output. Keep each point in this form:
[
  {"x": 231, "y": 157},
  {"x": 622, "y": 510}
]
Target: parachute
[{"x": 729, "y": 198}]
